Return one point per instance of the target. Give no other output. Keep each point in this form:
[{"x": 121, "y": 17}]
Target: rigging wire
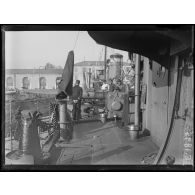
[
  {"x": 75, "y": 43},
  {"x": 100, "y": 56}
]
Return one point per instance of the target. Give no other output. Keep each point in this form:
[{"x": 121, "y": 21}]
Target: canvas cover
[{"x": 65, "y": 85}]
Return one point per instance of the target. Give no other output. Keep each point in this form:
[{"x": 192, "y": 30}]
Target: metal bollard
[
  {"x": 25, "y": 136},
  {"x": 63, "y": 120}
]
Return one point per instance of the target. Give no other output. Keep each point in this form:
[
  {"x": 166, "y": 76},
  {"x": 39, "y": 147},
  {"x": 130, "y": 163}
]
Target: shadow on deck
[{"x": 96, "y": 143}]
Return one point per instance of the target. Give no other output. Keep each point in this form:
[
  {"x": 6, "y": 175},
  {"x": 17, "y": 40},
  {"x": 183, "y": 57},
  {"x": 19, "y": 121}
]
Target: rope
[{"x": 76, "y": 40}]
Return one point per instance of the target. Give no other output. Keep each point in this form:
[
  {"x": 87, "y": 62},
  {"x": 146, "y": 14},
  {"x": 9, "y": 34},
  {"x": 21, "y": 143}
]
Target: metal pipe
[
  {"x": 192, "y": 101},
  {"x": 105, "y": 62},
  {"x": 25, "y": 136},
  {"x": 63, "y": 119},
  {"x": 90, "y": 78},
  {"x": 137, "y": 90},
  {"x": 134, "y": 129},
  {"x": 173, "y": 117},
  {"x": 11, "y": 126},
  {"x": 37, "y": 105}
]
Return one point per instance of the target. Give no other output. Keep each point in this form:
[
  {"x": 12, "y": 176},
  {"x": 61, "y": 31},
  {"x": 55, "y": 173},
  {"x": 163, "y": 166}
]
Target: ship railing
[{"x": 28, "y": 105}]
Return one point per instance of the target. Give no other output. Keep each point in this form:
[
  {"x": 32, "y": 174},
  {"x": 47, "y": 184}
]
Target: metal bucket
[
  {"x": 103, "y": 117},
  {"x": 133, "y": 132}
]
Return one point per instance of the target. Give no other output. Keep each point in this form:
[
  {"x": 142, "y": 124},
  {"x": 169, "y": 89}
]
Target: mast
[{"x": 105, "y": 62}]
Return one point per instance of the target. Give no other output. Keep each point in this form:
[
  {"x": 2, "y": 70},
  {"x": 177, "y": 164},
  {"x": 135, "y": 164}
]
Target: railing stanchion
[{"x": 37, "y": 102}]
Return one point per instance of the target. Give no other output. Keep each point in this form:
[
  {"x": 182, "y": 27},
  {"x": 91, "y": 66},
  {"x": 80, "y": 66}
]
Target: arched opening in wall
[
  {"x": 9, "y": 82},
  {"x": 42, "y": 83},
  {"x": 58, "y": 79},
  {"x": 26, "y": 83}
]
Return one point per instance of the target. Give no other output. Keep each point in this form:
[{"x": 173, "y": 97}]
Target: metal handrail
[{"x": 27, "y": 100}]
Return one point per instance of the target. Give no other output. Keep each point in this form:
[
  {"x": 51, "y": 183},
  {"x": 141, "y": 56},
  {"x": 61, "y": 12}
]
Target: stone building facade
[
  {"x": 85, "y": 71},
  {"x": 31, "y": 78}
]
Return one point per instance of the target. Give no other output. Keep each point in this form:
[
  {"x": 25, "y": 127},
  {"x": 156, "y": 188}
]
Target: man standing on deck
[
  {"x": 77, "y": 94},
  {"x": 118, "y": 86}
]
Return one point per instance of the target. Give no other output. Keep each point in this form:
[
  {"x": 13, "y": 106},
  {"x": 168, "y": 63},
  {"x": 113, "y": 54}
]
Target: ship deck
[{"x": 95, "y": 143}]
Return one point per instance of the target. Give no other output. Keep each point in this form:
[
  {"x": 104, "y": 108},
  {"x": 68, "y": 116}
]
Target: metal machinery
[
  {"x": 117, "y": 102},
  {"x": 115, "y": 66}
]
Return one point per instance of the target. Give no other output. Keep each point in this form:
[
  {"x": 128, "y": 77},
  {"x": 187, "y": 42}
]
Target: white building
[
  {"x": 32, "y": 78},
  {"x": 48, "y": 78}
]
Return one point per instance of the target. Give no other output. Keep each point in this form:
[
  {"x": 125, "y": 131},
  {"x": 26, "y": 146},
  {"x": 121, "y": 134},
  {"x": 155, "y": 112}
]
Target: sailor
[
  {"x": 111, "y": 85},
  {"x": 77, "y": 94},
  {"x": 118, "y": 85},
  {"x": 121, "y": 86}
]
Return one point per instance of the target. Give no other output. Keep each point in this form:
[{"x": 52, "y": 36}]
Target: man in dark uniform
[
  {"x": 111, "y": 85},
  {"x": 120, "y": 86},
  {"x": 76, "y": 96},
  {"x": 117, "y": 85}
]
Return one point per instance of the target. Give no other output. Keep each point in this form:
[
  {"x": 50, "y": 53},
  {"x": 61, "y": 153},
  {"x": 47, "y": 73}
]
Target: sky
[{"x": 33, "y": 49}]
